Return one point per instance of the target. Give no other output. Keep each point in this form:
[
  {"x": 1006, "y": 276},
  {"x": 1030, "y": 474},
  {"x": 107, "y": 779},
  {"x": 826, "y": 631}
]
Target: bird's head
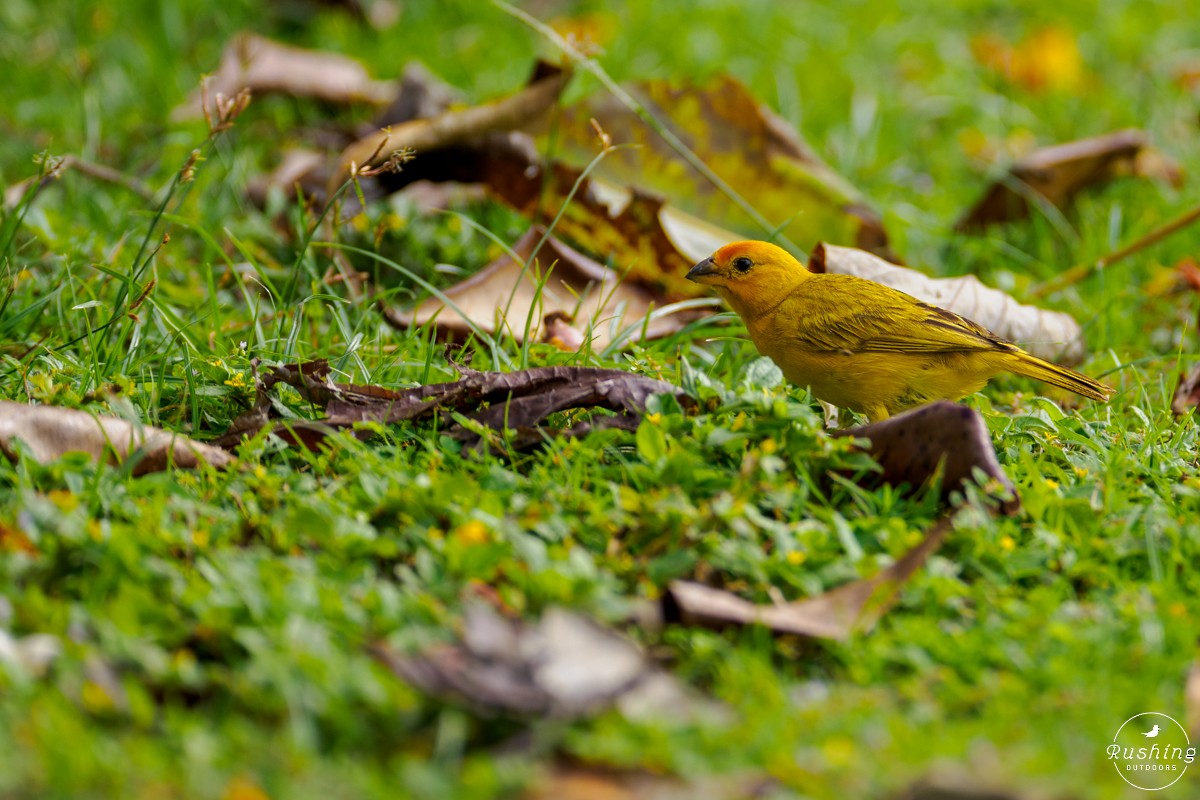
[{"x": 751, "y": 275}]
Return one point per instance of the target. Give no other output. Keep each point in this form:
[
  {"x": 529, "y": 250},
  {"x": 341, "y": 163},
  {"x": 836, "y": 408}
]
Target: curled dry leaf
[
  {"x": 1056, "y": 174},
  {"x": 48, "y": 433},
  {"x": 941, "y": 438},
  {"x": 746, "y": 144},
  {"x": 1187, "y": 393},
  {"x": 565, "y": 665},
  {"x": 1052, "y": 335},
  {"x": 834, "y": 615},
  {"x": 519, "y": 401},
  {"x": 264, "y": 66},
  {"x": 455, "y": 127},
  {"x": 504, "y": 297}
]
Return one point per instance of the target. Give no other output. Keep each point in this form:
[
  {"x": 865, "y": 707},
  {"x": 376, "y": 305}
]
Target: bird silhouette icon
[{"x": 1150, "y": 734}]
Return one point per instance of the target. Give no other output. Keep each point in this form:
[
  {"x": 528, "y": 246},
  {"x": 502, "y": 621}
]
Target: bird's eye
[{"x": 742, "y": 264}]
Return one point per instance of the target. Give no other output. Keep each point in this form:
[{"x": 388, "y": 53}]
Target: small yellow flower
[
  {"x": 200, "y": 538},
  {"x": 768, "y": 446},
  {"x": 654, "y": 419},
  {"x": 242, "y": 787},
  {"x": 1177, "y": 610},
  {"x": 472, "y": 532},
  {"x": 1051, "y": 483},
  {"x": 1081, "y": 472},
  {"x": 238, "y": 381},
  {"x": 796, "y": 558},
  {"x": 64, "y": 499},
  {"x": 95, "y": 698},
  {"x": 1008, "y": 543}
]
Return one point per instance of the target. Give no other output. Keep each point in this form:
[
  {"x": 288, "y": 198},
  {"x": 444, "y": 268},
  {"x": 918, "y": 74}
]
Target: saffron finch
[{"x": 861, "y": 345}]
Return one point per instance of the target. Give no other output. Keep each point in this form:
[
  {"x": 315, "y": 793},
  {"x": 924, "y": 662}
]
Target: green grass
[{"x": 232, "y": 609}]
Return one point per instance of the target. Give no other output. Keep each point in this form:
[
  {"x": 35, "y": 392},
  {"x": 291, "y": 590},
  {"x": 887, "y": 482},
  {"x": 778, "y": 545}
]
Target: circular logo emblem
[{"x": 1150, "y": 751}]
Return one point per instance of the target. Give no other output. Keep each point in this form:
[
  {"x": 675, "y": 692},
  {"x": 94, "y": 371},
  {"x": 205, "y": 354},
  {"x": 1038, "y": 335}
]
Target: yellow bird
[{"x": 860, "y": 345}]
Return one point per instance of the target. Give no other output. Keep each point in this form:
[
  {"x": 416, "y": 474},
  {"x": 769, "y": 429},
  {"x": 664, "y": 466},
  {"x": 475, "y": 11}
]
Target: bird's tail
[{"x": 1069, "y": 379}]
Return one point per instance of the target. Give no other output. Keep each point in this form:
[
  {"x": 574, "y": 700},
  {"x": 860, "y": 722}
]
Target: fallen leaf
[
  {"x": 264, "y": 66},
  {"x": 939, "y": 439},
  {"x": 580, "y": 782},
  {"x": 1048, "y": 59},
  {"x": 519, "y": 401},
  {"x": 1187, "y": 392},
  {"x": 47, "y": 433},
  {"x": 912, "y": 448},
  {"x": 557, "y": 285},
  {"x": 1055, "y": 175},
  {"x": 749, "y": 146},
  {"x": 421, "y": 95},
  {"x": 565, "y": 665},
  {"x": 836, "y": 614},
  {"x": 300, "y": 172},
  {"x": 453, "y": 128},
  {"x": 1052, "y": 335}
]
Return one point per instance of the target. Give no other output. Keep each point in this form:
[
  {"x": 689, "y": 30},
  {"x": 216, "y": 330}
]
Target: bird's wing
[{"x": 848, "y": 317}]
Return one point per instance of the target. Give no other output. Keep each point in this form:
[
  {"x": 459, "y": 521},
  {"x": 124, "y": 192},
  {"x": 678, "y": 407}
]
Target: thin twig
[{"x": 1078, "y": 272}]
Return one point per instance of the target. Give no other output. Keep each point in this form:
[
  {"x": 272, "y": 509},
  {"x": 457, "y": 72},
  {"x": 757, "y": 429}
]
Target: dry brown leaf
[
  {"x": 565, "y": 665},
  {"x": 1052, "y": 335},
  {"x": 912, "y": 448},
  {"x": 263, "y": 66},
  {"x": 48, "y": 433},
  {"x": 519, "y": 401},
  {"x": 578, "y": 782},
  {"x": 453, "y": 128},
  {"x": 1187, "y": 392},
  {"x": 1056, "y": 174},
  {"x": 941, "y": 439},
  {"x": 834, "y": 615},
  {"x": 504, "y": 298},
  {"x": 750, "y": 147}
]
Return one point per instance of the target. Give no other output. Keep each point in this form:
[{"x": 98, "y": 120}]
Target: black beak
[{"x": 705, "y": 267}]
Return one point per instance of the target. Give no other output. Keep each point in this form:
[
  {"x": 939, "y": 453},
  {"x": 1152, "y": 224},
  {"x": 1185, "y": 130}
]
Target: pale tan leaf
[
  {"x": 1052, "y": 335},
  {"x": 503, "y": 297},
  {"x": 834, "y": 615},
  {"x": 263, "y": 66},
  {"x": 1056, "y": 174},
  {"x": 454, "y": 127},
  {"x": 47, "y": 433},
  {"x": 941, "y": 439}
]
